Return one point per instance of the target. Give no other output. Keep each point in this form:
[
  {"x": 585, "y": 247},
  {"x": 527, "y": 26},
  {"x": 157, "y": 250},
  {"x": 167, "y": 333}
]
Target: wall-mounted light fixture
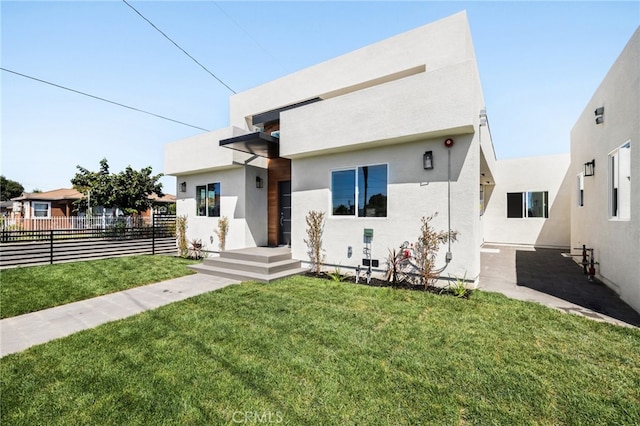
[
  {"x": 259, "y": 182},
  {"x": 590, "y": 168},
  {"x": 183, "y": 187},
  {"x": 599, "y": 112},
  {"x": 427, "y": 160},
  {"x": 483, "y": 117}
]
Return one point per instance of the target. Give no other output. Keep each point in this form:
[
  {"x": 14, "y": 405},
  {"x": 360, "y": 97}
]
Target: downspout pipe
[{"x": 449, "y": 256}]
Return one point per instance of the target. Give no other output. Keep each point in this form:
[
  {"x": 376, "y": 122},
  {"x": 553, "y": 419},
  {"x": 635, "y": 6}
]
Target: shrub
[
  {"x": 315, "y": 228},
  {"x": 221, "y": 232},
  {"x": 426, "y": 249},
  {"x": 181, "y": 235},
  {"x": 195, "y": 249}
]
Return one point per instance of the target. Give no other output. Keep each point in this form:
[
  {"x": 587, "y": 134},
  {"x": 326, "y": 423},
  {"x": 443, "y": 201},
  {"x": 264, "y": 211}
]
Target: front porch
[{"x": 263, "y": 264}]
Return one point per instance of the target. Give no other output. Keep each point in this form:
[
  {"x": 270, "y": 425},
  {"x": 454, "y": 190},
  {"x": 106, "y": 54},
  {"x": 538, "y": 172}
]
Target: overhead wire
[
  {"x": 247, "y": 33},
  {"x": 178, "y": 46},
  {"x": 102, "y": 99}
]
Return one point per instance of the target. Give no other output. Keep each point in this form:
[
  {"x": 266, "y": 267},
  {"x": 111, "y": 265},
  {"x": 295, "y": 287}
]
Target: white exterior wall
[
  {"x": 412, "y": 193},
  {"x": 430, "y": 103},
  {"x": 238, "y": 197},
  {"x": 203, "y": 153},
  {"x": 385, "y": 103},
  {"x": 616, "y": 242},
  {"x": 548, "y": 173},
  {"x": 437, "y": 45}
]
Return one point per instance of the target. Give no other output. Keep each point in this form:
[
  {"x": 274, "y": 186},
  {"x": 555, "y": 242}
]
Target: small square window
[
  {"x": 41, "y": 209},
  {"x": 208, "y": 200}
]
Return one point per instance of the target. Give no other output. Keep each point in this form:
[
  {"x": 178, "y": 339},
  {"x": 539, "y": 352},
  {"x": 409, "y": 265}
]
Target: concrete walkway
[
  {"x": 546, "y": 276},
  {"x": 534, "y": 275},
  {"x": 21, "y": 332}
]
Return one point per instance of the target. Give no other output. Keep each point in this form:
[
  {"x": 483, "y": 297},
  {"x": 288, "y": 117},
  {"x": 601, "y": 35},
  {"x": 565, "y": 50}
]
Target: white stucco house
[
  {"x": 605, "y": 170},
  {"x": 377, "y": 139},
  {"x": 350, "y": 137}
]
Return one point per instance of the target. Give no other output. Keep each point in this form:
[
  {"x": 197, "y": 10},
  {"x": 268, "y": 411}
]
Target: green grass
[
  {"x": 307, "y": 351},
  {"x": 30, "y": 289}
]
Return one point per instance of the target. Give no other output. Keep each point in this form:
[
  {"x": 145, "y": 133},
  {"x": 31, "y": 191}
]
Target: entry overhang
[{"x": 258, "y": 143}]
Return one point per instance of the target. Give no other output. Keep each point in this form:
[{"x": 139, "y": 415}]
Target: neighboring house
[
  {"x": 59, "y": 204},
  {"x": 605, "y": 171},
  {"x": 56, "y": 203},
  {"x": 6, "y": 208},
  {"x": 161, "y": 205}
]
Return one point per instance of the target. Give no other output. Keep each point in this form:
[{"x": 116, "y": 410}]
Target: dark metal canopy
[{"x": 258, "y": 143}]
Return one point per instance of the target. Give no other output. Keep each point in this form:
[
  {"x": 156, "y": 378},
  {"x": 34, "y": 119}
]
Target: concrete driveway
[{"x": 546, "y": 276}]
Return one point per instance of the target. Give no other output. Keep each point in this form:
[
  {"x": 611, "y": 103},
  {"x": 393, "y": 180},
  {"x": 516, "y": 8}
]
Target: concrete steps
[{"x": 252, "y": 264}]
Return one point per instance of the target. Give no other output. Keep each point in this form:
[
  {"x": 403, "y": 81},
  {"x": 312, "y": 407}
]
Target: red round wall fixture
[{"x": 448, "y": 143}]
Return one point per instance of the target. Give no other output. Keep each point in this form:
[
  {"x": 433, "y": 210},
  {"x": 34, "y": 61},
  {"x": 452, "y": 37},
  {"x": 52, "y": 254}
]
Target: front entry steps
[{"x": 252, "y": 264}]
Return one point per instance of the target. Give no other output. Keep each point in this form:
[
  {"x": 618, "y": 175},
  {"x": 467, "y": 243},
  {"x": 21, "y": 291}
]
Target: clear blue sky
[{"x": 539, "y": 63}]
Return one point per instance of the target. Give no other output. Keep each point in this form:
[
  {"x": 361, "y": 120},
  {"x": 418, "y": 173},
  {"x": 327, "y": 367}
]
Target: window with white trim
[
  {"x": 620, "y": 182},
  {"x": 580, "y": 189},
  {"x": 528, "y": 204},
  {"x": 361, "y": 191},
  {"x": 208, "y": 200},
  {"x": 41, "y": 209}
]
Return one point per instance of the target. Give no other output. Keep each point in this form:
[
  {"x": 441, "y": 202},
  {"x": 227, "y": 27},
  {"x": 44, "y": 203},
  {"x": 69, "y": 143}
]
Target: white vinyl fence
[{"x": 72, "y": 222}]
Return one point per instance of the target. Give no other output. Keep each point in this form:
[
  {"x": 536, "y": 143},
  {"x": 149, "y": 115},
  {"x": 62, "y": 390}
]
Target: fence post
[
  {"x": 153, "y": 234},
  {"x": 51, "y": 247}
]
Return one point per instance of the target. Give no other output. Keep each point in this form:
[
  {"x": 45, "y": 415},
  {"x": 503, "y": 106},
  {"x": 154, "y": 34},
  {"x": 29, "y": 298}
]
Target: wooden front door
[{"x": 279, "y": 195}]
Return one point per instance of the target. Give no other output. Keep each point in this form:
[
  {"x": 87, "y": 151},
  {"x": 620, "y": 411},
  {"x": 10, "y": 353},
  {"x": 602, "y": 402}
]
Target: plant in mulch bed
[
  {"x": 315, "y": 228},
  {"x": 195, "y": 249},
  {"x": 222, "y": 231},
  {"x": 458, "y": 288},
  {"x": 426, "y": 249},
  {"x": 181, "y": 236},
  {"x": 410, "y": 267}
]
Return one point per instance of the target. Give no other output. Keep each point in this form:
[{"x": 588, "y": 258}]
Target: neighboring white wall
[
  {"x": 412, "y": 193},
  {"x": 616, "y": 242},
  {"x": 548, "y": 173}
]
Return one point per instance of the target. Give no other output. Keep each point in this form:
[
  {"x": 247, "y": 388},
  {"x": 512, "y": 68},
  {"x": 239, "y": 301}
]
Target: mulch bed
[{"x": 376, "y": 282}]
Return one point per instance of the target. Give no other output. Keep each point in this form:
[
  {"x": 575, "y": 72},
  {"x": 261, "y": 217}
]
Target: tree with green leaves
[
  {"x": 128, "y": 190},
  {"x": 9, "y": 189}
]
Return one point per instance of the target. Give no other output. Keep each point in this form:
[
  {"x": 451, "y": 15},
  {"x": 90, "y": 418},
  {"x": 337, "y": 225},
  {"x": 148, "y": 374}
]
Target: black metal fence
[{"x": 25, "y": 248}]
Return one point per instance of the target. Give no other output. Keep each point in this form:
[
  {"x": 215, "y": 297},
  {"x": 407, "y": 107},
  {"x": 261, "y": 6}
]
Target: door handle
[{"x": 281, "y": 218}]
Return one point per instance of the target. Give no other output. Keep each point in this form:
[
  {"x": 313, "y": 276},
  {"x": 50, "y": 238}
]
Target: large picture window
[
  {"x": 208, "y": 200},
  {"x": 361, "y": 191},
  {"x": 620, "y": 182},
  {"x": 528, "y": 204}
]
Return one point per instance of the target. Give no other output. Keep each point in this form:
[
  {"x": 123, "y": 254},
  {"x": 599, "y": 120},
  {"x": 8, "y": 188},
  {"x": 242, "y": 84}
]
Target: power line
[
  {"x": 102, "y": 99},
  {"x": 183, "y": 51},
  {"x": 248, "y": 35}
]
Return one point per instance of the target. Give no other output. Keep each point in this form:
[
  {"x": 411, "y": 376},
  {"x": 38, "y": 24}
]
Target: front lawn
[
  {"x": 29, "y": 289},
  {"x": 310, "y": 351}
]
